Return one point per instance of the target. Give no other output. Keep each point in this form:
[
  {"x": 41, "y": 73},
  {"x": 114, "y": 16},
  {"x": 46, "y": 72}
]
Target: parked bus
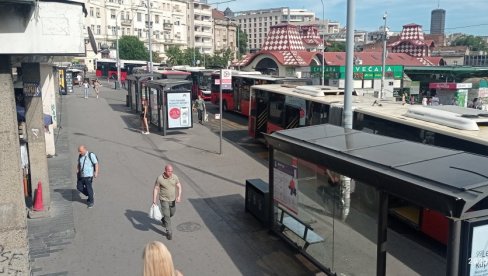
[
  {"x": 171, "y": 74},
  {"x": 276, "y": 107},
  {"x": 237, "y": 98},
  {"x": 201, "y": 79},
  {"x": 107, "y": 68}
]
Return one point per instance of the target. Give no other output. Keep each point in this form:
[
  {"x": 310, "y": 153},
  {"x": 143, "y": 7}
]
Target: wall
[{"x": 35, "y": 34}]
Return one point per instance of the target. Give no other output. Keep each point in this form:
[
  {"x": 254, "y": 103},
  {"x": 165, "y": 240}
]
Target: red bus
[
  {"x": 201, "y": 79},
  {"x": 237, "y": 99},
  {"x": 277, "y": 107},
  {"x": 171, "y": 74},
  {"x": 107, "y": 68}
]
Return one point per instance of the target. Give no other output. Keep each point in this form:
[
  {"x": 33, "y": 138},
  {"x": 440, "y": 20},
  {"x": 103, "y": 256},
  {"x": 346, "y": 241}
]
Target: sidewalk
[{"x": 212, "y": 233}]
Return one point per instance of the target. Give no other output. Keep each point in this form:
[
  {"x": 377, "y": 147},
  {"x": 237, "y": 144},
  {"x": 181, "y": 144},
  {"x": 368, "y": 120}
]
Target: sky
[{"x": 462, "y": 16}]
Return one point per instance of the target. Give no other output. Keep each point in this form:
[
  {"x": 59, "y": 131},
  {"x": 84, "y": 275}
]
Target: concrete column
[
  {"x": 14, "y": 247},
  {"x": 35, "y": 136},
  {"x": 49, "y": 105}
]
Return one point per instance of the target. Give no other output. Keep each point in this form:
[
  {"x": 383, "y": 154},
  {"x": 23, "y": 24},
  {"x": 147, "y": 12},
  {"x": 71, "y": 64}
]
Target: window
[
  {"x": 98, "y": 12},
  {"x": 123, "y": 31},
  {"x": 122, "y": 15},
  {"x": 91, "y": 12},
  {"x": 139, "y": 33},
  {"x": 112, "y": 14},
  {"x": 139, "y": 17},
  {"x": 114, "y": 30},
  {"x": 99, "y": 30},
  {"x": 93, "y": 28},
  {"x": 156, "y": 19},
  {"x": 128, "y": 31}
]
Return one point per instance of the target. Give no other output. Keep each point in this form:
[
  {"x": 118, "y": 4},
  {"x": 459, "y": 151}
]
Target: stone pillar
[
  {"x": 14, "y": 247},
  {"x": 49, "y": 105},
  {"x": 34, "y": 117}
]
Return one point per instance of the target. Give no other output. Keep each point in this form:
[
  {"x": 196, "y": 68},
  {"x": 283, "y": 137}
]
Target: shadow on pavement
[
  {"x": 142, "y": 222},
  {"x": 248, "y": 243},
  {"x": 70, "y": 195}
]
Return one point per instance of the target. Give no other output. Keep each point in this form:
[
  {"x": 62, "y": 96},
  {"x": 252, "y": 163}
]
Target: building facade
[
  {"x": 257, "y": 23},
  {"x": 200, "y": 27},
  {"x": 225, "y": 32},
  {"x": 437, "y": 21}
]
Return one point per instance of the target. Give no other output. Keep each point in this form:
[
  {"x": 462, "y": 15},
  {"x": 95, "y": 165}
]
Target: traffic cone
[{"x": 38, "y": 205}]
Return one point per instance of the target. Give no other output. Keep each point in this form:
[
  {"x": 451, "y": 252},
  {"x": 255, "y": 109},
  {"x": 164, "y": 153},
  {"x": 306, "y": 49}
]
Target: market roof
[
  {"x": 374, "y": 58},
  {"x": 449, "y": 181}
]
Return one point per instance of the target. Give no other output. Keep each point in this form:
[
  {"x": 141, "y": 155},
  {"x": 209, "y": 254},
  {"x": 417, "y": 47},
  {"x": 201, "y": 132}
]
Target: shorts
[{"x": 142, "y": 115}]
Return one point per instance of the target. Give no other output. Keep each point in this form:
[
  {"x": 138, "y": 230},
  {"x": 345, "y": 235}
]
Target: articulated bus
[
  {"x": 275, "y": 107},
  {"x": 171, "y": 74},
  {"x": 107, "y": 68},
  {"x": 237, "y": 99}
]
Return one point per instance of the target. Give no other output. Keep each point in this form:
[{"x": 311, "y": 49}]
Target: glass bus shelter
[{"x": 336, "y": 194}]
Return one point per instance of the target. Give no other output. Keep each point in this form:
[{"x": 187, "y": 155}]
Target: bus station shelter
[
  {"x": 332, "y": 190},
  {"x": 170, "y": 104},
  {"x": 135, "y": 88}
]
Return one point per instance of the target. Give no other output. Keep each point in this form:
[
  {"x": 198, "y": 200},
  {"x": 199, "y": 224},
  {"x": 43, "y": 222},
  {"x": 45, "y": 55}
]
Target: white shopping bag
[
  {"x": 205, "y": 116},
  {"x": 155, "y": 213}
]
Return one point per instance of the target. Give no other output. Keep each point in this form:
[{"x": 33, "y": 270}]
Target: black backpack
[{"x": 90, "y": 154}]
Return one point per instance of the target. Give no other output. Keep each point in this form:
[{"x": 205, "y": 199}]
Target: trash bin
[
  {"x": 116, "y": 85},
  {"x": 257, "y": 199}
]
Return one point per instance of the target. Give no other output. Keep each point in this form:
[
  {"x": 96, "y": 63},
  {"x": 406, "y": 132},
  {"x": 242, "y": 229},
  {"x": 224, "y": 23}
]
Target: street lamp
[
  {"x": 323, "y": 41},
  {"x": 117, "y": 43},
  {"x": 149, "y": 24},
  {"x": 383, "y": 58}
]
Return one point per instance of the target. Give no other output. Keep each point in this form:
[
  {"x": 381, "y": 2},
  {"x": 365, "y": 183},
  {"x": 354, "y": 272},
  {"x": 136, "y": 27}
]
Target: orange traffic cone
[{"x": 38, "y": 205}]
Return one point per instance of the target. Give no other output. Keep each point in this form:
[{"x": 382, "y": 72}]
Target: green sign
[{"x": 364, "y": 71}]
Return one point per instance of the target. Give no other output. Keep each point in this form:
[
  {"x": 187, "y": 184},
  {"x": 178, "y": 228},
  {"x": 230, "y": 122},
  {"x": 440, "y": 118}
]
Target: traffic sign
[{"x": 226, "y": 75}]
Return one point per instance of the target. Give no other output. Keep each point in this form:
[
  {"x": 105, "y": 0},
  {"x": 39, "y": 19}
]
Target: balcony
[
  {"x": 126, "y": 22},
  {"x": 167, "y": 26}
]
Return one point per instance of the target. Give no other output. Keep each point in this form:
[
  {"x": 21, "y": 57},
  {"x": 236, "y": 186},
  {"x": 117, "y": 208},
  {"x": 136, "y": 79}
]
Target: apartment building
[
  {"x": 225, "y": 32},
  {"x": 256, "y": 23},
  {"x": 168, "y": 21},
  {"x": 200, "y": 27}
]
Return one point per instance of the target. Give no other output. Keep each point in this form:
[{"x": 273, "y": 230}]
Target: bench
[{"x": 299, "y": 228}]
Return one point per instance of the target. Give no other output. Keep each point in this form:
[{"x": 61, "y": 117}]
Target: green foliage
[
  {"x": 336, "y": 46},
  {"x": 193, "y": 57},
  {"x": 242, "y": 39},
  {"x": 131, "y": 47},
  {"x": 175, "y": 56},
  {"x": 475, "y": 43}
]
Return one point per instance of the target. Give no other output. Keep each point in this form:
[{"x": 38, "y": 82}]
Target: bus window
[
  {"x": 276, "y": 106},
  {"x": 317, "y": 113},
  {"x": 292, "y": 116}
]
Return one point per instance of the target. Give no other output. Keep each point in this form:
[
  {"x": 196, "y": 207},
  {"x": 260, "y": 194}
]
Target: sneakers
[
  {"x": 90, "y": 205},
  {"x": 169, "y": 235}
]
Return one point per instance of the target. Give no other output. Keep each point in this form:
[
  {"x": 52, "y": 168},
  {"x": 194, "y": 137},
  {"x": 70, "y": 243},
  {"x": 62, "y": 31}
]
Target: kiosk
[{"x": 331, "y": 190}]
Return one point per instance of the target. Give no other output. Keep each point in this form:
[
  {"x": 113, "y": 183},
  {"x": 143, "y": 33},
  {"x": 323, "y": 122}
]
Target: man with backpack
[{"x": 87, "y": 170}]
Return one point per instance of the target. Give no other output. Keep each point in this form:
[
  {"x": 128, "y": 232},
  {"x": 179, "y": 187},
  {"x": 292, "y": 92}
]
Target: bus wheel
[{"x": 224, "y": 106}]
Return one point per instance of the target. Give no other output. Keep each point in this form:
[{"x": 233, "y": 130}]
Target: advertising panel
[
  {"x": 474, "y": 247},
  {"x": 285, "y": 185},
  {"x": 178, "y": 108}
]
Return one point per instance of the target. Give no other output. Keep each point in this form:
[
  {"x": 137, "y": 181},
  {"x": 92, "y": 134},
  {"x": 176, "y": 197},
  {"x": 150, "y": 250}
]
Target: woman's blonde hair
[{"x": 157, "y": 260}]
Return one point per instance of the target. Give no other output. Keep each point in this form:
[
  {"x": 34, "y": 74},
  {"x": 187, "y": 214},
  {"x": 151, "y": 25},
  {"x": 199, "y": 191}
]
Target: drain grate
[{"x": 188, "y": 227}]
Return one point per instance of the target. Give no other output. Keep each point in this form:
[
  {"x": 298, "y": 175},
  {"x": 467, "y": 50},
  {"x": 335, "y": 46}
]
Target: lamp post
[
  {"x": 149, "y": 33},
  {"x": 383, "y": 59},
  {"x": 117, "y": 43},
  {"x": 323, "y": 42}
]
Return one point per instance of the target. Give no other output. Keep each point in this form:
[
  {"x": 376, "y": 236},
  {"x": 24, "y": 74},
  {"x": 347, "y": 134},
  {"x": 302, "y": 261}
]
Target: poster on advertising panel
[
  {"x": 285, "y": 185},
  {"x": 178, "y": 110},
  {"x": 478, "y": 263}
]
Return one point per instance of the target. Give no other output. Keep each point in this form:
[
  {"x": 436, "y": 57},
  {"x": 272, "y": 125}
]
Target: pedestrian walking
[
  {"x": 86, "y": 86},
  {"x": 78, "y": 78},
  {"x": 144, "y": 124},
  {"x": 168, "y": 187},
  {"x": 88, "y": 169},
  {"x": 199, "y": 106},
  {"x": 96, "y": 86},
  {"x": 158, "y": 260}
]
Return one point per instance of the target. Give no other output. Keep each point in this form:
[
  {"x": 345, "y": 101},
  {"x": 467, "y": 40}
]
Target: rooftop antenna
[{"x": 438, "y": 4}]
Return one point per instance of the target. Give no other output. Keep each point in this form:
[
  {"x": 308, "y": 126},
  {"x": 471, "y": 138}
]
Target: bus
[
  {"x": 201, "y": 79},
  {"x": 275, "y": 107},
  {"x": 237, "y": 98},
  {"x": 107, "y": 68},
  {"x": 171, "y": 74}
]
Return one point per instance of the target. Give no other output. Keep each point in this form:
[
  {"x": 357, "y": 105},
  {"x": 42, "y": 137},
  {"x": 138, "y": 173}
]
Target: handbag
[{"x": 155, "y": 213}]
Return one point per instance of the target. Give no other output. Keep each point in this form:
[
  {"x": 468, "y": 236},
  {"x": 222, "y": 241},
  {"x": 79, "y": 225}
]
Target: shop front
[
  {"x": 332, "y": 192},
  {"x": 450, "y": 93}
]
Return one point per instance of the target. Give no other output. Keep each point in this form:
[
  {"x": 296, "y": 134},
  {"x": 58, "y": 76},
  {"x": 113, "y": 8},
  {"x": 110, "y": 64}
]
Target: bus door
[{"x": 258, "y": 119}]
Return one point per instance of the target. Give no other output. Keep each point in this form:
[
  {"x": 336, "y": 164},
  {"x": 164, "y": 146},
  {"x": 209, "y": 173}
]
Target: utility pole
[
  {"x": 383, "y": 59},
  {"x": 149, "y": 33},
  {"x": 323, "y": 42}
]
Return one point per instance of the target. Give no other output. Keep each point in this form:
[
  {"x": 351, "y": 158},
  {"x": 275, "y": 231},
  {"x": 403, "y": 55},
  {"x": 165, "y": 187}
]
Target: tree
[
  {"x": 475, "y": 43},
  {"x": 131, "y": 47},
  {"x": 336, "y": 46},
  {"x": 175, "y": 56},
  {"x": 242, "y": 42}
]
